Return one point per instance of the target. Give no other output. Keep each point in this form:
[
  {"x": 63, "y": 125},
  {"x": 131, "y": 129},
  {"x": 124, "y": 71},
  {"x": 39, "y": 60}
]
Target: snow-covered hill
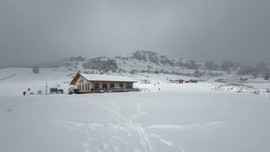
[
  {"x": 136, "y": 62},
  {"x": 151, "y": 62}
]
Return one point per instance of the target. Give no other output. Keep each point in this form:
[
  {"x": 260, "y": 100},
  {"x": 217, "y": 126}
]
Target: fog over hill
[{"x": 202, "y": 30}]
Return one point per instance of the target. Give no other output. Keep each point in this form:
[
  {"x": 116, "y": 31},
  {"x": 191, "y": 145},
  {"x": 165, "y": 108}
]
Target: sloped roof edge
[{"x": 101, "y": 78}]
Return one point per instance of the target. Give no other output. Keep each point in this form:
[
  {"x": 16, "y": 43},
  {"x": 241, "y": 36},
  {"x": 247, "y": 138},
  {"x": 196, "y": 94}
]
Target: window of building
[
  {"x": 129, "y": 85},
  {"x": 96, "y": 85},
  {"x": 112, "y": 85},
  {"x": 121, "y": 85},
  {"x": 104, "y": 85},
  {"x": 86, "y": 87}
]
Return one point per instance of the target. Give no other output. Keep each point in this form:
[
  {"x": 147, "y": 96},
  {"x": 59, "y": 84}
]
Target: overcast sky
[{"x": 33, "y": 31}]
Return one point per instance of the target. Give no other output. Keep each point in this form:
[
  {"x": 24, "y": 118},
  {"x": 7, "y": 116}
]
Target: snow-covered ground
[{"x": 163, "y": 118}]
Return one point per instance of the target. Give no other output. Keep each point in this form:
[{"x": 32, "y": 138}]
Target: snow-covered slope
[
  {"x": 24, "y": 78},
  {"x": 20, "y": 79},
  {"x": 151, "y": 62},
  {"x": 16, "y": 80},
  {"x": 136, "y": 62}
]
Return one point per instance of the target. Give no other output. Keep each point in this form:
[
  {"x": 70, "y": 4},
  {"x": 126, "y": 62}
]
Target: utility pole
[
  {"x": 268, "y": 91},
  {"x": 46, "y": 88}
]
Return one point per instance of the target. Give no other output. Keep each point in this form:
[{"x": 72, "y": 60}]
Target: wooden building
[{"x": 90, "y": 83}]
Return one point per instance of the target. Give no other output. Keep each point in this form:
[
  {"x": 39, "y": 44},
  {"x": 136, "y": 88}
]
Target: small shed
[{"x": 90, "y": 83}]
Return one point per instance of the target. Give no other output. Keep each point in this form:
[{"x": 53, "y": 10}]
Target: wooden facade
[{"x": 89, "y": 83}]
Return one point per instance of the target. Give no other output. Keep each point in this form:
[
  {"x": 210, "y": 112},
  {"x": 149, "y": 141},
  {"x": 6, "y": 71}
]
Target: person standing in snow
[{"x": 28, "y": 91}]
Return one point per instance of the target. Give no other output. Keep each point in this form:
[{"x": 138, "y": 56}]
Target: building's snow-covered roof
[{"x": 98, "y": 77}]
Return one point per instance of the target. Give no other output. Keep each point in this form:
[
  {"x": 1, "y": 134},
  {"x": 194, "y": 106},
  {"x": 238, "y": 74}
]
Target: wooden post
[{"x": 46, "y": 89}]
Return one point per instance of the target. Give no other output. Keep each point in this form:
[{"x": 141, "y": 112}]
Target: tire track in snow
[
  {"x": 168, "y": 143},
  {"x": 114, "y": 132},
  {"x": 71, "y": 125},
  {"x": 131, "y": 126},
  {"x": 140, "y": 111},
  {"x": 215, "y": 124}
]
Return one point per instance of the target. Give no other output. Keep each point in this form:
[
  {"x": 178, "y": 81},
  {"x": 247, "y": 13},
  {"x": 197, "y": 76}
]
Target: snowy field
[{"x": 167, "y": 118}]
